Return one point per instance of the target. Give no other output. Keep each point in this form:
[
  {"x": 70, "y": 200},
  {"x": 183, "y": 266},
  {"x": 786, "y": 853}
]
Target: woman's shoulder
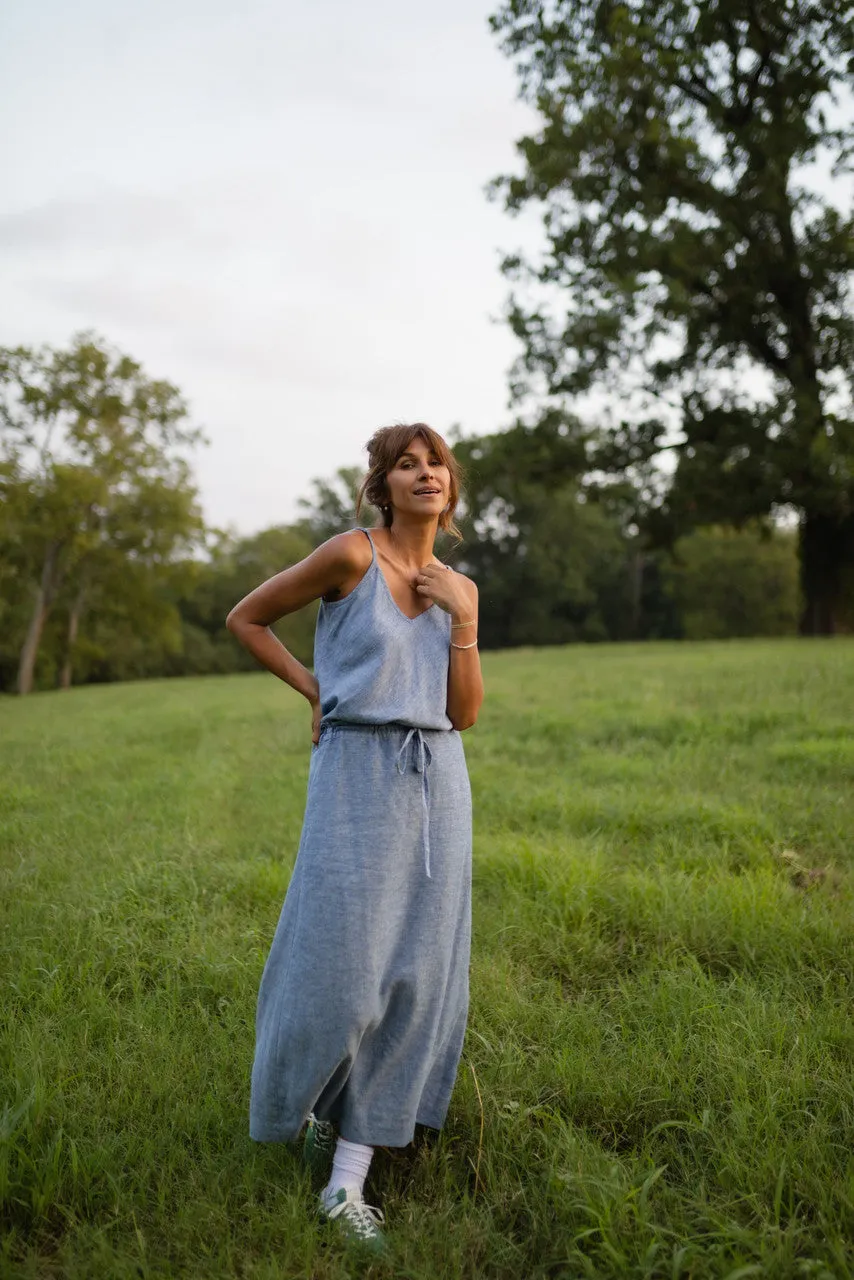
[{"x": 349, "y": 551}]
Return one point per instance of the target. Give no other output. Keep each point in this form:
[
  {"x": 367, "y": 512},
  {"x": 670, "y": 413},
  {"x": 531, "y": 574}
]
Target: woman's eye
[{"x": 406, "y": 466}]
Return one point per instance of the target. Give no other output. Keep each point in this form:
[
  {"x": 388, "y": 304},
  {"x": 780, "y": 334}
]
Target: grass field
[{"x": 660, "y": 1031}]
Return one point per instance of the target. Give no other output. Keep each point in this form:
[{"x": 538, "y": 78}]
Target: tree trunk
[
  {"x": 74, "y": 617},
  {"x": 41, "y": 609},
  {"x": 826, "y": 547}
]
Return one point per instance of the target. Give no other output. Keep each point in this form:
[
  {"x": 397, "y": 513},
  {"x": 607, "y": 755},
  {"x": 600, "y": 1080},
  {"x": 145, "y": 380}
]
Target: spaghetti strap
[{"x": 371, "y": 541}]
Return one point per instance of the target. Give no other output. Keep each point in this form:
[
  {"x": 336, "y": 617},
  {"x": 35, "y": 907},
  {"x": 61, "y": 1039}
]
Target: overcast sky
[{"x": 279, "y": 207}]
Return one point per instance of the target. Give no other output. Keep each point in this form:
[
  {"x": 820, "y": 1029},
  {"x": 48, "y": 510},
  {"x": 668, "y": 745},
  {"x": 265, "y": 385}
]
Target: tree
[
  {"x": 688, "y": 263},
  {"x": 550, "y": 565},
  {"x": 94, "y": 470},
  {"x": 234, "y": 567},
  {"x": 726, "y": 582},
  {"x": 127, "y": 579}
]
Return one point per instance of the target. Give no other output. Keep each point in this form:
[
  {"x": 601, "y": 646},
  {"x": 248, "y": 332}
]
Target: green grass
[{"x": 660, "y": 1031}]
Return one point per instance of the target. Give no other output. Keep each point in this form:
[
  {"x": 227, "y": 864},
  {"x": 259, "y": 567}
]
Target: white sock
[{"x": 350, "y": 1165}]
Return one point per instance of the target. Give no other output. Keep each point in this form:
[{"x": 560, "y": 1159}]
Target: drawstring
[{"x": 422, "y": 758}]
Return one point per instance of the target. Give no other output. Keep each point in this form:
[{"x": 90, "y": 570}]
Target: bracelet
[
  {"x": 455, "y": 626},
  {"x": 473, "y": 645}
]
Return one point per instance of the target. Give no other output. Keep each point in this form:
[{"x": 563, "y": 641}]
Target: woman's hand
[
  {"x": 457, "y": 595},
  {"x": 451, "y": 591}
]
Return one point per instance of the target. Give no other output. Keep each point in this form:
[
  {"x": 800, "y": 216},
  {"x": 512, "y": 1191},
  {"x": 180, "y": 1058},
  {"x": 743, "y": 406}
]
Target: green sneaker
[
  {"x": 358, "y": 1222},
  {"x": 318, "y": 1145}
]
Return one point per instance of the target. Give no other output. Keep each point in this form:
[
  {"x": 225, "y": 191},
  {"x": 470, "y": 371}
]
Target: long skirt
[{"x": 363, "y": 1000}]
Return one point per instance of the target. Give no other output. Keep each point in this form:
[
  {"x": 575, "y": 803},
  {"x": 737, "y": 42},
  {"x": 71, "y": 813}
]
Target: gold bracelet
[
  {"x": 455, "y": 626},
  {"x": 464, "y": 646}
]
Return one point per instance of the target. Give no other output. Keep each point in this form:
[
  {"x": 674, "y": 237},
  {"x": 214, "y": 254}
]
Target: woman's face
[{"x": 419, "y": 483}]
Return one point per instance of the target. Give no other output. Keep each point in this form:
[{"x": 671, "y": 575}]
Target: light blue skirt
[{"x": 363, "y": 1000}]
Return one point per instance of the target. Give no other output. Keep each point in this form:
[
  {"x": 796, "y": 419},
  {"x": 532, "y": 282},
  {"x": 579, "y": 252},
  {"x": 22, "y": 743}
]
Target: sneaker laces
[{"x": 363, "y": 1219}]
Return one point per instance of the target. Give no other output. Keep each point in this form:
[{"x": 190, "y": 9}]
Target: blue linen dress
[{"x": 364, "y": 997}]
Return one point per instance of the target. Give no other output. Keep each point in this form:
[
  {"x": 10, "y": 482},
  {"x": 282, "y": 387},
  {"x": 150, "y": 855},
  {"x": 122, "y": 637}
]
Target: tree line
[{"x": 108, "y": 571}]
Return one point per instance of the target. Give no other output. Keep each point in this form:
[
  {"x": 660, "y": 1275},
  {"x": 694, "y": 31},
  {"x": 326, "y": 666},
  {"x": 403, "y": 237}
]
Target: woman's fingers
[
  {"x": 425, "y": 584},
  {"x": 431, "y": 573},
  {"x": 442, "y": 586}
]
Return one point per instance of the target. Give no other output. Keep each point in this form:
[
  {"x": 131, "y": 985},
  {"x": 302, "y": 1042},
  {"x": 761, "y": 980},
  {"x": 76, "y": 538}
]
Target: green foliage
[
  {"x": 557, "y": 559},
  {"x": 548, "y": 564},
  {"x": 235, "y": 566},
  {"x": 99, "y": 502},
  {"x": 688, "y": 258},
  {"x": 106, "y": 571},
  {"x": 725, "y": 582},
  {"x": 657, "y": 1076}
]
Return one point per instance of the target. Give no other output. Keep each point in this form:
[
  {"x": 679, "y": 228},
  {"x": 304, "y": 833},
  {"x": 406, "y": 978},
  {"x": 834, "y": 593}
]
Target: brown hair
[{"x": 385, "y": 448}]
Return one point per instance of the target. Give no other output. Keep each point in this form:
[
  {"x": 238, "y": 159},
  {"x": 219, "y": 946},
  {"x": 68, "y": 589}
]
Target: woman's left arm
[{"x": 457, "y": 595}]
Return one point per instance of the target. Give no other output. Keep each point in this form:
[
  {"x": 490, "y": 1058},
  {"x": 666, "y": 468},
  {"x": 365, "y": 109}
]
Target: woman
[{"x": 363, "y": 1001}]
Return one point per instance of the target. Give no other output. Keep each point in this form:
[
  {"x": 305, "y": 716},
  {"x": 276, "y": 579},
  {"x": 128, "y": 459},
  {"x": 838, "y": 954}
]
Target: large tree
[
  {"x": 692, "y": 257},
  {"x": 95, "y": 477}
]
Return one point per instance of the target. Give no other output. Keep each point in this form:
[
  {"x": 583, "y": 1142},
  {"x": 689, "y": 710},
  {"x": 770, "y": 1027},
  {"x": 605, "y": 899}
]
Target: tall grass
[{"x": 657, "y": 1079}]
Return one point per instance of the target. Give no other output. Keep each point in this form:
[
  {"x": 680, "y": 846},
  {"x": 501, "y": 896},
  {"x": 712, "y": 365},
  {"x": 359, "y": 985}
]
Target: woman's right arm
[{"x": 333, "y": 569}]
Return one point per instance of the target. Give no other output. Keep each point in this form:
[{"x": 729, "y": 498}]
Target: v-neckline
[
  {"x": 389, "y": 592},
  {"x": 390, "y": 595}
]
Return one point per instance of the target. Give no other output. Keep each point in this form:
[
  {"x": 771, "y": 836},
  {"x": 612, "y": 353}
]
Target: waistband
[
  {"x": 414, "y": 754},
  {"x": 387, "y": 728}
]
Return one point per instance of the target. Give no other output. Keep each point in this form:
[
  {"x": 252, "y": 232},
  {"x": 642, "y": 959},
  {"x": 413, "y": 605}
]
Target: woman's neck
[{"x": 411, "y": 545}]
